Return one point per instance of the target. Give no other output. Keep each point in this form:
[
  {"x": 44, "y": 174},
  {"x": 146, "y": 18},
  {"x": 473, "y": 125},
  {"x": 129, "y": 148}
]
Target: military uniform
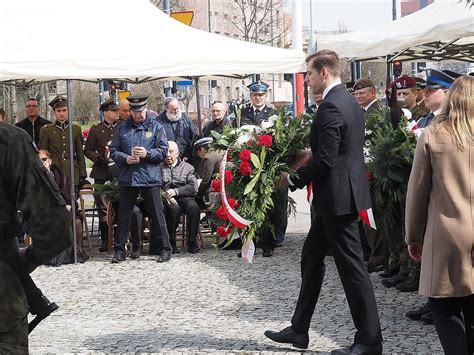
[
  {"x": 55, "y": 139},
  {"x": 96, "y": 149},
  {"x": 249, "y": 116},
  {"x": 419, "y": 111},
  {"x": 25, "y": 186}
]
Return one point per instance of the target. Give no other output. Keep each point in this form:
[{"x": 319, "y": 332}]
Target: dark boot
[
  {"x": 409, "y": 285},
  {"x": 394, "y": 280},
  {"x": 104, "y": 236},
  {"x": 417, "y": 313}
]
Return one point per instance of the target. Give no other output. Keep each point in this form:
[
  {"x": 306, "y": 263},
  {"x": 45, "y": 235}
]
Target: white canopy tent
[
  {"x": 56, "y": 39},
  {"x": 442, "y": 30}
]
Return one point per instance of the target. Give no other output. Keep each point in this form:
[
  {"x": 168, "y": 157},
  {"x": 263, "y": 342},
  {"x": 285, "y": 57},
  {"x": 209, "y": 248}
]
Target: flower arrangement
[{"x": 256, "y": 156}]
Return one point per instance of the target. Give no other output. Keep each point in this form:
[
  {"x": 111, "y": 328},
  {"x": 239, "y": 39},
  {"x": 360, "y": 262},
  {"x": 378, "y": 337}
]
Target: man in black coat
[
  {"x": 33, "y": 123},
  {"x": 337, "y": 172}
]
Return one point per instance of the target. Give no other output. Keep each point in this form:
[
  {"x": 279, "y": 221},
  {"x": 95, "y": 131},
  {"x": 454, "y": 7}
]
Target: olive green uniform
[
  {"x": 99, "y": 137},
  {"x": 55, "y": 139},
  {"x": 25, "y": 186}
]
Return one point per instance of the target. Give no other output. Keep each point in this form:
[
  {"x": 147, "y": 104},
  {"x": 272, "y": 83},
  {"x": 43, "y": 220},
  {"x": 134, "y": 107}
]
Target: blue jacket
[
  {"x": 183, "y": 132},
  {"x": 150, "y": 135}
]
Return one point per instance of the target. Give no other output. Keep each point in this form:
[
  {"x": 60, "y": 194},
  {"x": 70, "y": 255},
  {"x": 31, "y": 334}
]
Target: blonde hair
[{"x": 457, "y": 112}]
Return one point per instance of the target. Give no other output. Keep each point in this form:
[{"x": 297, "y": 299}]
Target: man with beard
[
  {"x": 96, "y": 149},
  {"x": 33, "y": 123},
  {"x": 178, "y": 127},
  {"x": 337, "y": 172},
  {"x": 55, "y": 139}
]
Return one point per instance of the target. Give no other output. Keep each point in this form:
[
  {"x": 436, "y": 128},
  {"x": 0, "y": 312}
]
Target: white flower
[
  {"x": 406, "y": 113},
  {"x": 242, "y": 139},
  {"x": 250, "y": 128},
  {"x": 266, "y": 124}
]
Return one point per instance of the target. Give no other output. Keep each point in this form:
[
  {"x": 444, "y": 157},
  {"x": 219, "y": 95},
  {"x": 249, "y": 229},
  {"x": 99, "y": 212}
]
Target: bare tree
[
  {"x": 260, "y": 21},
  {"x": 85, "y": 101}
]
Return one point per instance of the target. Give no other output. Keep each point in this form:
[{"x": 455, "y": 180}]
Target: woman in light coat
[{"x": 440, "y": 217}]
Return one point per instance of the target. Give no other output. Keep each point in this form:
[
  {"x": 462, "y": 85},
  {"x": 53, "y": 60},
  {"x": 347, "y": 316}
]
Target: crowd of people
[{"x": 164, "y": 169}]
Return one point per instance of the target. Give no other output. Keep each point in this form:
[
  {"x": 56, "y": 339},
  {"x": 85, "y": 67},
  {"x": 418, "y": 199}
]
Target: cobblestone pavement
[{"x": 207, "y": 302}]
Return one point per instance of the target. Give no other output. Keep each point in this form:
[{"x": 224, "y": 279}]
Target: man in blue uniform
[{"x": 138, "y": 147}]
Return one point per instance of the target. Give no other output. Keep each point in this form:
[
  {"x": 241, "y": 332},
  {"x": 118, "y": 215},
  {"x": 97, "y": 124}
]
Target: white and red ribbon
[{"x": 234, "y": 217}]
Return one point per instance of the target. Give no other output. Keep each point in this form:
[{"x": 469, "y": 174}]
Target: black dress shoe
[
  {"x": 388, "y": 273},
  {"x": 135, "y": 254},
  {"x": 409, "y": 285},
  {"x": 118, "y": 257},
  {"x": 175, "y": 250},
  {"x": 366, "y": 349},
  {"x": 427, "y": 318},
  {"x": 165, "y": 256},
  {"x": 267, "y": 252},
  {"x": 417, "y": 313},
  {"x": 287, "y": 335},
  {"x": 394, "y": 280},
  {"x": 278, "y": 243}
]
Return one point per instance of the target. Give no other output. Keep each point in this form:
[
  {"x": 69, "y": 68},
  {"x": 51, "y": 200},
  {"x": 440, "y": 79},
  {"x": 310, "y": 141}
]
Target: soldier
[
  {"x": 96, "y": 149},
  {"x": 25, "y": 186},
  {"x": 33, "y": 123},
  {"x": 366, "y": 96},
  {"x": 138, "y": 147},
  {"x": 55, "y": 139},
  {"x": 407, "y": 96},
  {"x": 259, "y": 110}
]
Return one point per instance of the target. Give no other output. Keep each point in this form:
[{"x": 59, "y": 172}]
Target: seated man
[
  {"x": 210, "y": 162},
  {"x": 180, "y": 187}
]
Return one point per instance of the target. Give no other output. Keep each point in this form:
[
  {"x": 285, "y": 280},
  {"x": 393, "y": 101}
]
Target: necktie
[
  {"x": 429, "y": 118},
  {"x": 257, "y": 111}
]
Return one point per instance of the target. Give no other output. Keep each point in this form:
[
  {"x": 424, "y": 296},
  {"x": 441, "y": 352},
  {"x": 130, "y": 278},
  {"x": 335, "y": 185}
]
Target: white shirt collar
[
  {"x": 437, "y": 112},
  {"x": 330, "y": 86},
  {"x": 259, "y": 109},
  {"x": 367, "y": 107}
]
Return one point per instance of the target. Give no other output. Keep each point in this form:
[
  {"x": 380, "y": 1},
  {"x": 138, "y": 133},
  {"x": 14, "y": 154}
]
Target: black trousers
[
  {"x": 454, "y": 323},
  {"x": 340, "y": 234},
  {"x": 152, "y": 199},
  {"x": 191, "y": 209},
  {"x": 278, "y": 218}
]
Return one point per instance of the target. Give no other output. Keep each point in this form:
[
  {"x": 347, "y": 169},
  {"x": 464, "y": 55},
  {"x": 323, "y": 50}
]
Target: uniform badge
[{"x": 148, "y": 134}]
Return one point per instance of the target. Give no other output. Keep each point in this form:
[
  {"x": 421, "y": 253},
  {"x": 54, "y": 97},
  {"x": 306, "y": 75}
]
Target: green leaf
[
  {"x": 256, "y": 161},
  {"x": 251, "y": 184}
]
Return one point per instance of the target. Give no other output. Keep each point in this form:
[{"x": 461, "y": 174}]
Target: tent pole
[
  {"x": 198, "y": 104},
  {"x": 71, "y": 166}
]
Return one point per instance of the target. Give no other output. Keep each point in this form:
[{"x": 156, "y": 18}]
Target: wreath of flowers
[{"x": 256, "y": 156}]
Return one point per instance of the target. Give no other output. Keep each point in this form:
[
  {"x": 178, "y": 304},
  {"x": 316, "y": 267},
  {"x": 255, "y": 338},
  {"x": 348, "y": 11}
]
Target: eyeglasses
[{"x": 45, "y": 159}]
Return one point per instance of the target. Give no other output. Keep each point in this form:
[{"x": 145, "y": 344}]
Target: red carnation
[
  {"x": 221, "y": 213},
  {"x": 245, "y": 168},
  {"x": 228, "y": 177},
  {"x": 265, "y": 140},
  {"x": 232, "y": 203},
  {"x": 222, "y": 231},
  {"x": 245, "y": 155},
  {"x": 216, "y": 185}
]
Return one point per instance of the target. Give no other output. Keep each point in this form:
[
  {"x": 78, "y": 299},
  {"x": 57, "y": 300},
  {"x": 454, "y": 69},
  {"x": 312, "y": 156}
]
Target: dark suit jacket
[{"x": 337, "y": 170}]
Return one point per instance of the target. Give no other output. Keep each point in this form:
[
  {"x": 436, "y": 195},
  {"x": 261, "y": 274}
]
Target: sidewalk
[{"x": 208, "y": 302}]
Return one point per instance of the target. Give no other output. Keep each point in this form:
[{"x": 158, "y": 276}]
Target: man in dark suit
[{"x": 337, "y": 172}]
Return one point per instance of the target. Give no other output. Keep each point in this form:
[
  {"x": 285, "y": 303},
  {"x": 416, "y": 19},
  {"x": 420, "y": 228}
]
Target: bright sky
[{"x": 355, "y": 15}]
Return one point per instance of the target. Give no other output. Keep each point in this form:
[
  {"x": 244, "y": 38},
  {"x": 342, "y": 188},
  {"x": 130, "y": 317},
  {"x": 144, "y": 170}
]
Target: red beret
[{"x": 404, "y": 82}]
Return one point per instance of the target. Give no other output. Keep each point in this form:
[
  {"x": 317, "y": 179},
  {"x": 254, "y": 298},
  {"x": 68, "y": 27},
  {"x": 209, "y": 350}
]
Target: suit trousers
[
  {"x": 152, "y": 200},
  {"x": 340, "y": 234},
  {"x": 191, "y": 209},
  {"x": 454, "y": 323}
]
